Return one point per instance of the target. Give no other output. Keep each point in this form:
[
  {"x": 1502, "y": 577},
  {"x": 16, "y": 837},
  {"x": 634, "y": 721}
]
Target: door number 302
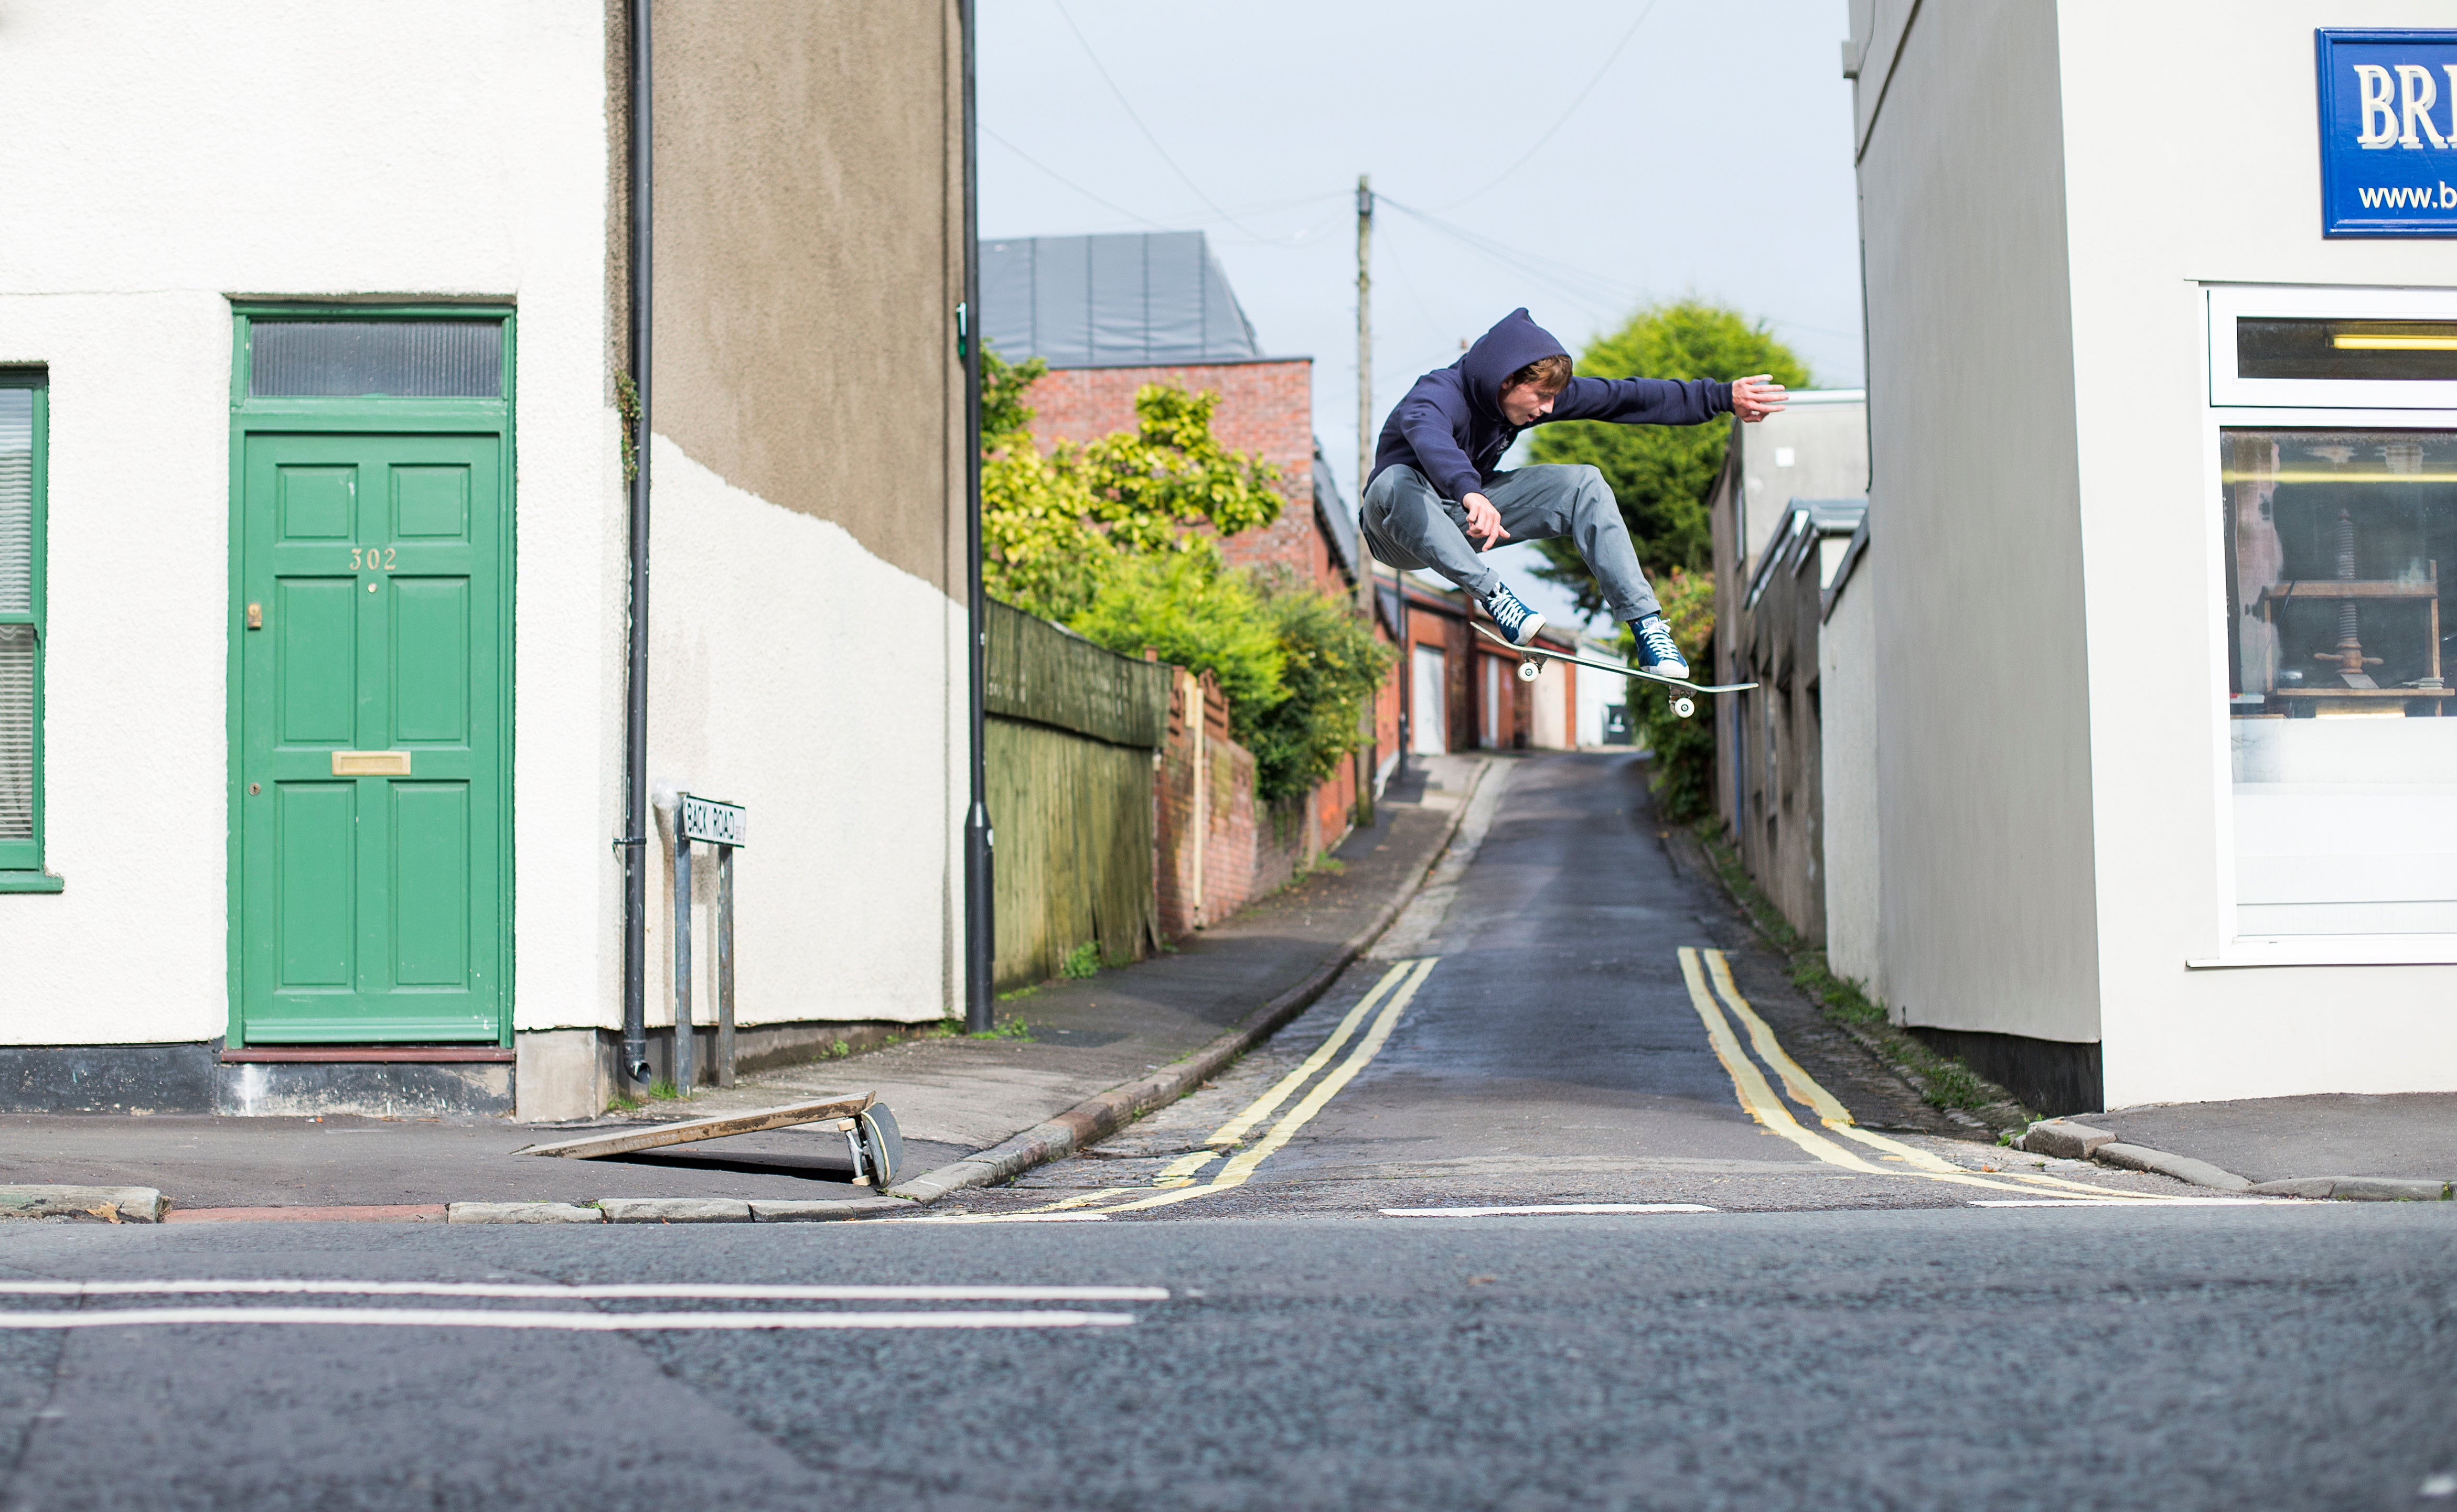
[{"x": 375, "y": 559}]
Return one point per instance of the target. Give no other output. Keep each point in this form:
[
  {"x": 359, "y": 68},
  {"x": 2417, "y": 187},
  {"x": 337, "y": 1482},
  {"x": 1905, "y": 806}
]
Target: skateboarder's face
[{"x": 1524, "y": 403}]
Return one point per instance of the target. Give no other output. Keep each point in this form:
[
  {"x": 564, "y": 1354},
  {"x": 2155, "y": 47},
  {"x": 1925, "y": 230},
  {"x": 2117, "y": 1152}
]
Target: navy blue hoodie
[{"x": 1450, "y": 426}]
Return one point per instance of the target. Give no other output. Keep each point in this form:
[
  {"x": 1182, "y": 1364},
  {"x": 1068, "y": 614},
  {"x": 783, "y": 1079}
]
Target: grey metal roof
[
  {"x": 1132, "y": 299},
  {"x": 1810, "y": 518},
  {"x": 1338, "y": 524}
]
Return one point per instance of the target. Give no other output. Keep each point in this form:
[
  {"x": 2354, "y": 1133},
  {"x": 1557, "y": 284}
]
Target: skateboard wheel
[
  {"x": 1683, "y": 707},
  {"x": 1530, "y": 671}
]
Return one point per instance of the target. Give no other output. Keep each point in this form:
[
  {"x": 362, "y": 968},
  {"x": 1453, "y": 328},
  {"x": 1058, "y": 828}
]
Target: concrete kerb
[
  {"x": 2068, "y": 1140},
  {"x": 1084, "y": 1124},
  {"x": 105, "y": 1204},
  {"x": 1097, "y": 1118}
]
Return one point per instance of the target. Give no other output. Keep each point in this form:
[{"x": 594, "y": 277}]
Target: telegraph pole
[
  {"x": 1364, "y": 333},
  {"x": 1407, "y": 669},
  {"x": 1367, "y": 574}
]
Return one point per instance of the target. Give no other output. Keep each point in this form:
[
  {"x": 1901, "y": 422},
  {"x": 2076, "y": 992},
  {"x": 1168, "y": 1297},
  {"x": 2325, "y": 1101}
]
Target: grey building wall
[
  {"x": 1849, "y": 736},
  {"x": 1988, "y": 921},
  {"x": 1816, "y": 449}
]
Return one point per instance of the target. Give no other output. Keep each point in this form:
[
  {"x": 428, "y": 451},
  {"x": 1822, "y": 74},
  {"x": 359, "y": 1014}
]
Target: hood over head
[{"x": 1515, "y": 340}]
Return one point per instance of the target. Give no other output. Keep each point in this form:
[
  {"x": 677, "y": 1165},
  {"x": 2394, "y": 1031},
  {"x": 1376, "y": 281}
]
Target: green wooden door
[{"x": 373, "y": 830}]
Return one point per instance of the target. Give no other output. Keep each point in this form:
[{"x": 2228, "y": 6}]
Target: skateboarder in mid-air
[{"x": 1435, "y": 487}]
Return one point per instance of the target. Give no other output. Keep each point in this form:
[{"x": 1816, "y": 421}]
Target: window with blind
[{"x": 22, "y": 414}]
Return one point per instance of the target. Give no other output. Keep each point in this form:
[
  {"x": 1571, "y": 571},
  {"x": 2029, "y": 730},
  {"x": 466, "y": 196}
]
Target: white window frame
[
  {"x": 2233, "y": 302},
  {"x": 2287, "y": 404}
]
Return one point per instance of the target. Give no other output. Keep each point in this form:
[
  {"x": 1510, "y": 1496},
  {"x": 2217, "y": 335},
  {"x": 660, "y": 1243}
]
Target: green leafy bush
[
  {"x": 1056, "y": 525},
  {"x": 1330, "y": 666},
  {"x": 1117, "y": 539},
  {"x": 1195, "y": 612},
  {"x": 1661, "y": 474},
  {"x": 1684, "y": 780}
]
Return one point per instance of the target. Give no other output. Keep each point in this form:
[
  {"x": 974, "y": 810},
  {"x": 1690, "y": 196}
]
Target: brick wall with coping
[{"x": 1248, "y": 849}]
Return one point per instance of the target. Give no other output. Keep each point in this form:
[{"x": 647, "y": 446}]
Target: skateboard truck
[{"x": 1532, "y": 660}]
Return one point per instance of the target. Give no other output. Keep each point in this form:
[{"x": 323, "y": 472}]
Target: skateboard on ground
[{"x": 1532, "y": 658}]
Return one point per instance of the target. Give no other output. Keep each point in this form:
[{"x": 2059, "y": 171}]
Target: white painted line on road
[
  {"x": 1555, "y": 1206},
  {"x": 2120, "y": 1202},
  {"x": 565, "y": 1323},
  {"x": 1035, "y": 1217},
  {"x": 624, "y": 1290}
]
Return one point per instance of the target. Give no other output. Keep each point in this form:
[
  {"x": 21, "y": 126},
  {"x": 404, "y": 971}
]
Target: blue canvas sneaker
[
  {"x": 1656, "y": 652},
  {"x": 1516, "y": 620}
]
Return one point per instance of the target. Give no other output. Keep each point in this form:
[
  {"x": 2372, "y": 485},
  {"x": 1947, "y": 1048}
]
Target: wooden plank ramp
[{"x": 655, "y": 1136}]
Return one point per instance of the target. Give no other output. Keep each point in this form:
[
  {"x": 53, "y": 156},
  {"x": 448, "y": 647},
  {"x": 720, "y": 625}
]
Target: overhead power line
[
  {"x": 1122, "y": 104},
  {"x": 1035, "y": 162},
  {"x": 1538, "y": 146}
]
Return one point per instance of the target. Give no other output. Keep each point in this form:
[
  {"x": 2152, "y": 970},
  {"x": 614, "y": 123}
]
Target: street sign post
[{"x": 728, "y": 827}]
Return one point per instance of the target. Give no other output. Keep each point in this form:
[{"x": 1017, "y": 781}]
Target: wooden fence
[{"x": 1072, "y": 732}]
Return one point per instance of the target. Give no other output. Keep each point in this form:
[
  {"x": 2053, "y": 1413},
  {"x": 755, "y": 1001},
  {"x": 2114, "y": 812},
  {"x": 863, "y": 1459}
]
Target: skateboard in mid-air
[{"x": 1532, "y": 658}]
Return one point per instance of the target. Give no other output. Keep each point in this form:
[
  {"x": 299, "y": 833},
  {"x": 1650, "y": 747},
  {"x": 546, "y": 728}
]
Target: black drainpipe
[
  {"x": 979, "y": 920},
  {"x": 634, "y": 844}
]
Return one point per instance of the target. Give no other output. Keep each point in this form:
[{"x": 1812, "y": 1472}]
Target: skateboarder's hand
[
  {"x": 1754, "y": 399},
  {"x": 1484, "y": 522}
]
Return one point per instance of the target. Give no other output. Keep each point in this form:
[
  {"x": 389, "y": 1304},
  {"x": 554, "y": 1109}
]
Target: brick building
[
  {"x": 1112, "y": 314},
  {"x": 1463, "y": 692}
]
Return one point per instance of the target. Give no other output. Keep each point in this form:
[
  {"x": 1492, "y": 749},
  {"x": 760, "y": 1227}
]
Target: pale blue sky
[{"x": 1711, "y": 156}]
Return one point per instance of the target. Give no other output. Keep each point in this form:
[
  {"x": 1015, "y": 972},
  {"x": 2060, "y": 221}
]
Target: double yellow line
[
  {"x": 1759, "y": 1101},
  {"x": 1376, "y": 1014}
]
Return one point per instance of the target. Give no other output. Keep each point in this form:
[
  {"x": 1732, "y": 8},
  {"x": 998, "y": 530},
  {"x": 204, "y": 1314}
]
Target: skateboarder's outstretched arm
[{"x": 1438, "y": 497}]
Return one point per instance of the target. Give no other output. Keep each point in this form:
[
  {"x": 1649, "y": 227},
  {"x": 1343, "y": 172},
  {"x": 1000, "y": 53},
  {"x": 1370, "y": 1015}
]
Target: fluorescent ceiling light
[{"x": 2394, "y": 343}]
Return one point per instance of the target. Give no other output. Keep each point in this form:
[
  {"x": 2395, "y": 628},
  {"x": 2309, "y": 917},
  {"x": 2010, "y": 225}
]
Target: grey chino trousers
[{"x": 1408, "y": 525}]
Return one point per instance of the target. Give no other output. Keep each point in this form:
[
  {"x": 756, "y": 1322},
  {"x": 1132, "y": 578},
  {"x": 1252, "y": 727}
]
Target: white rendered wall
[
  {"x": 1818, "y": 448},
  {"x": 1984, "y": 774},
  {"x": 1596, "y": 689},
  {"x": 2208, "y": 172},
  {"x": 794, "y": 672},
  {"x": 162, "y": 157},
  {"x": 1548, "y": 720},
  {"x": 1847, "y": 681}
]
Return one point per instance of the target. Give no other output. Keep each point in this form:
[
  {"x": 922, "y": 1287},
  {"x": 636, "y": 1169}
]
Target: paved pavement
[{"x": 2408, "y": 1134}]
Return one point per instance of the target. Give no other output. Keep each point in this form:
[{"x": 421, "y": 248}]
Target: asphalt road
[
  {"x": 1803, "y": 1288},
  {"x": 2137, "y": 1357}
]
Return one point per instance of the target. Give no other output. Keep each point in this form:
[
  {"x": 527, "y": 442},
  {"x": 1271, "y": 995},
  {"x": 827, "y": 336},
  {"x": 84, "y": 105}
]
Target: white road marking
[
  {"x": 2119, "y": 1202},
  {"x": 1014, "y": 1217},
  {"x": 1555, "y": 1206},
  {"x": 628, "y": 1291},
  {"x": 583, "y": 1322}
]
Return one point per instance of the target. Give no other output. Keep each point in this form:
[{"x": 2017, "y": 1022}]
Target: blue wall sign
[{"x": 2388, "y": 132}]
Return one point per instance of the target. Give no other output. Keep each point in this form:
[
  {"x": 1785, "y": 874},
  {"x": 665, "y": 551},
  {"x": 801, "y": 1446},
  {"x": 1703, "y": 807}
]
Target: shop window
[
  {"x": 2344, "y": 737},
  {"x": 22, "y": 416}
]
